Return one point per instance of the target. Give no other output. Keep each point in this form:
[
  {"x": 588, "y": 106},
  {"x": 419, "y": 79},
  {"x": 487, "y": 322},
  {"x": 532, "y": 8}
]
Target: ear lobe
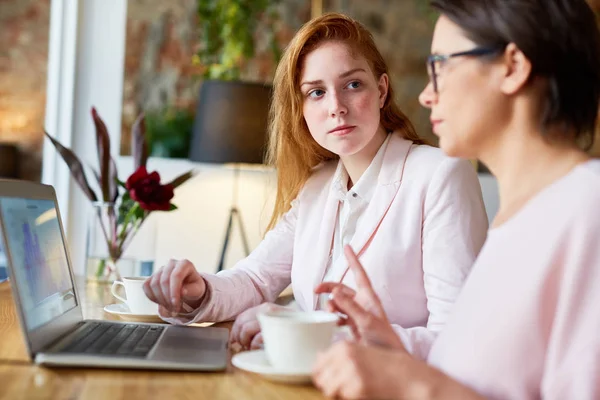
[
  {"x": 517, "y": 70},
  {"x": 383, "y": 89}
]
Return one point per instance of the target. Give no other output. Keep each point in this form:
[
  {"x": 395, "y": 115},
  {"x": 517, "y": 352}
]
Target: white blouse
[{"x": 353, "y": 203}]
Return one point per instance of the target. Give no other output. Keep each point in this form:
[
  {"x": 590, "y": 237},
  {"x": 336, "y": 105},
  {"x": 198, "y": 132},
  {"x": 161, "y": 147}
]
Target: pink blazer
[{"x": 419, "y": 238}]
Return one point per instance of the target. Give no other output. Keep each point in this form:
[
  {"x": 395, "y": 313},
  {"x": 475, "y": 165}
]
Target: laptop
[{"x": 49, "y": 306}]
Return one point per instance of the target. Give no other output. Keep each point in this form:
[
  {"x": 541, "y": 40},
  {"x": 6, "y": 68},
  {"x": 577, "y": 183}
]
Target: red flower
[{"x": 146, "y": 189}]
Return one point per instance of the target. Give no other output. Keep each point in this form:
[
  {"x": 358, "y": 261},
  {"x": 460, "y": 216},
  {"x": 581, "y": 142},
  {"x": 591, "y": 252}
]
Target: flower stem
[
  {"x": 100, "y": 268},
  {"x": 131, "y": 233},
  {"x": 109, "y": 240},
  {"x": 128, "y": 231}
]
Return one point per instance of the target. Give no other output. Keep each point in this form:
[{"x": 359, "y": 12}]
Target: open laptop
[{"x": 49, "y": 306}]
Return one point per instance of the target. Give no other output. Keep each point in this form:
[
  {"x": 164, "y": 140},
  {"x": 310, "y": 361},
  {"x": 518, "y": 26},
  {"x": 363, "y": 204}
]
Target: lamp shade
[
  {"x": 231, "y": 122},
  {"x": 9, "y": 160}
]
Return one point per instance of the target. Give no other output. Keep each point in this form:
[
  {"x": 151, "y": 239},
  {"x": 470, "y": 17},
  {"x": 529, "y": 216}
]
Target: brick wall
[
  {"x": 161, "y": 40},
  {"x": 402, "y": 31},
  {"x": 24, "y": 28}
]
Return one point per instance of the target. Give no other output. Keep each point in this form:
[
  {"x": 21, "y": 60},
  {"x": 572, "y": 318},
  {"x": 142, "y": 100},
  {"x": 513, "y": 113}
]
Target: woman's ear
[
  {"x": 384, "y": 82},
  {"x": 517, "y": 69}
]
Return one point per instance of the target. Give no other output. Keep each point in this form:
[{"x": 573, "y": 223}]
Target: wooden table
[{"x": 19, "y": 379}]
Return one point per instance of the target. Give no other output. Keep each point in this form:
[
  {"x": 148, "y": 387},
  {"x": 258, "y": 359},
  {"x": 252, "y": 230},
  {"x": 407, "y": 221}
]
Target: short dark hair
[{"x": 562, "y": 42}]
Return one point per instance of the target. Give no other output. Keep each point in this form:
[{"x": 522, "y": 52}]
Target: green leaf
[
  {"x": 227, "y": 33},
  {"x": 126, "y": 205},
  {"x": 75, "y": 167},
  {"x": 169, "y": 131},
  {"x": 139, "y": 213},
  {"x": 172, "y": 207}
]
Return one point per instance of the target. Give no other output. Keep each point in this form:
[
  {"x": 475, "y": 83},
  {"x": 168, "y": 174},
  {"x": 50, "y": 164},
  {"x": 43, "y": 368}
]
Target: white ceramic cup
[
  {"x": 135, "y": 299},
  {"x": 293, "y": 339}
]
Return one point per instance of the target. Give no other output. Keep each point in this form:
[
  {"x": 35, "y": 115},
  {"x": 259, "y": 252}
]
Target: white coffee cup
[
  {"x": 135, "y": 299},
  {"x": 293, "y": 339}
]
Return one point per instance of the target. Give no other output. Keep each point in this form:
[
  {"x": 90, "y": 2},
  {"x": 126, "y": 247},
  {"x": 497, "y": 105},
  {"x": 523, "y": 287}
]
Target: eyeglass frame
[{"x": 433, "y": 58}]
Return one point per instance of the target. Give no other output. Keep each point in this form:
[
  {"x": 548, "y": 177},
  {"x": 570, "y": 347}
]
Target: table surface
[{"x": 20, "y": 379}]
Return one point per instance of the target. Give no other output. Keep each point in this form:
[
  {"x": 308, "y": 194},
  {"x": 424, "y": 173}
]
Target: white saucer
[
  {"x": 256, "y": 361},
  {"x": 122, "y": 311}
]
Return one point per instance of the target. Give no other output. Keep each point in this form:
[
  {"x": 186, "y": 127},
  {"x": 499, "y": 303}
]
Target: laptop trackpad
[{"x": 192, "y": 345}]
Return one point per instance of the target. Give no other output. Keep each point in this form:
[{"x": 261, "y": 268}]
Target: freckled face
[{"x": 342, "y": 99}]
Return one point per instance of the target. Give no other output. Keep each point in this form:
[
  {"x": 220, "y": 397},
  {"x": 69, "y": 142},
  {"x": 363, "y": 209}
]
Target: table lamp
[
  {"x": 9, "y": 160},
  {"x": 230, "y": 127}
]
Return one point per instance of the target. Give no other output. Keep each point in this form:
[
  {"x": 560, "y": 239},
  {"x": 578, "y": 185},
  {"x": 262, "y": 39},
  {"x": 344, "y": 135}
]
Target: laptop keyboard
[{"x": 114, "y": 339}]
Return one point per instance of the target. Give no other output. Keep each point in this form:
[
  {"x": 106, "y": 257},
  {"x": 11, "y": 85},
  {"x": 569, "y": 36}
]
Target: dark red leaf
[
  {"x": 75, "y": 167},
  {"x": 182, "y": 178},
  {"x": 138, "y": 142},
  {"x": 103, "y": 143},
  {"x": 114, "y": 180},
  {"x": 96, "y": 174}
]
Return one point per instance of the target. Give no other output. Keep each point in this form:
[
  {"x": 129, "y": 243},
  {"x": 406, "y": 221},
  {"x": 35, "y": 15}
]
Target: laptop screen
[{"x": 39, "y": 259}]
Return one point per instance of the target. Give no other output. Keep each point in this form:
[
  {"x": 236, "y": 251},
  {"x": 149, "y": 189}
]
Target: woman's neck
[
  {"x": 357, "y": 164},
  {"x": 524, "y": 164}
]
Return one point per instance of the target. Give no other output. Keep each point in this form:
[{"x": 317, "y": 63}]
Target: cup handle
[{"x": 114, "y": 292}]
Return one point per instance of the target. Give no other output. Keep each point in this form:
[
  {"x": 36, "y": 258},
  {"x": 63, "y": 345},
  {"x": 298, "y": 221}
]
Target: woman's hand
[
  {"x": 176, "y": 283},
  {"x": 246, "y": 329},
  {"x": 355, "y": 371},
  {"x": 365, "y": 314}
]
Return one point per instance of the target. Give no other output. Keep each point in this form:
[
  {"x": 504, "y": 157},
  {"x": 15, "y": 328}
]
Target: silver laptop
[{"x": 50, "y": 309}]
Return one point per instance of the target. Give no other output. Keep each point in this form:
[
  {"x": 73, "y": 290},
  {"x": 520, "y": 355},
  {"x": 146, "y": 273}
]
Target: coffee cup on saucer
[
  {"x": 293, "y": 339},
  {"x": 135, "y": 298}
]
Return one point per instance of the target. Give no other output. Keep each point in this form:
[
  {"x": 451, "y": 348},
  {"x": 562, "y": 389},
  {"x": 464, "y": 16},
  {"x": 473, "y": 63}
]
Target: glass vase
[{"x": 104, "y": 257}]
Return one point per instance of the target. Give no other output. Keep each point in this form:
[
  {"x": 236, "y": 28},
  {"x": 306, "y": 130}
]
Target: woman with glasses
[
  {"x": 517, "y": 85},
  {"x": 351, "y": 169}
]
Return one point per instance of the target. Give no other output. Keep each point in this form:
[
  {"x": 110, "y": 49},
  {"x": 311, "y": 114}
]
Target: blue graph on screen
[
  {"x": 38, "y": 258},
  {"x": 38, "y": 253},
  {"x": 37, "y": 270}
]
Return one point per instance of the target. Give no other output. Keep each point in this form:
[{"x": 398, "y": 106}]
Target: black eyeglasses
[{"x": 435, "y": 61}]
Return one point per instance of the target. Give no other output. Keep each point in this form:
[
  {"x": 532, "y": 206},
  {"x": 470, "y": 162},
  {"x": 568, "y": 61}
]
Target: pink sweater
[{"x": 527, "y": 323}]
